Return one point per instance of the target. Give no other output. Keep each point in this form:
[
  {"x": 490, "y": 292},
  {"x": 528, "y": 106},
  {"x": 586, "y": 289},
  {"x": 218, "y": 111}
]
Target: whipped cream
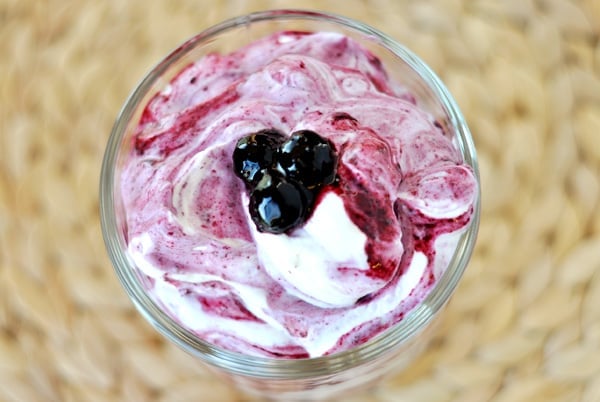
[
  {"x": 324, "y": 262},
  {"x": 376, "y": 242}
]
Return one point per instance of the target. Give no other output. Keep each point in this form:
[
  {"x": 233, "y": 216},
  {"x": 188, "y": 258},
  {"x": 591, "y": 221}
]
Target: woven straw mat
[{"x": 524, "y": 324}]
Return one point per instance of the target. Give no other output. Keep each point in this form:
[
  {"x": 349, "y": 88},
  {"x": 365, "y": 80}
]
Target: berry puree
[{"x": 289, "y": 200}]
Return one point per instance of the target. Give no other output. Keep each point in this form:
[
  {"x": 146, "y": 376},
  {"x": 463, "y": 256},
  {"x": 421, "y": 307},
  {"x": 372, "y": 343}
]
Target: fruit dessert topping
[{"x": 284, "y": 176}]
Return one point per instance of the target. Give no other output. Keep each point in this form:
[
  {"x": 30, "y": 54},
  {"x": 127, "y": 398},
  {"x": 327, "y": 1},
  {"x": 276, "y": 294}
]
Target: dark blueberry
[
  {"x": 254, "y": 153},
  {"x": 308, "y": 158},
  {"x": 277, "y": 205}
]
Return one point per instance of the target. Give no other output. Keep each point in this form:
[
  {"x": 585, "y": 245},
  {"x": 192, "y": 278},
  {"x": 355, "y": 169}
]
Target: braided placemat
[{"x": 525, "y": 322}]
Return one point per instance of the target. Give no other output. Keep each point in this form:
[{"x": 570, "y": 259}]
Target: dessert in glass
[{"x": 292, "y": 197}]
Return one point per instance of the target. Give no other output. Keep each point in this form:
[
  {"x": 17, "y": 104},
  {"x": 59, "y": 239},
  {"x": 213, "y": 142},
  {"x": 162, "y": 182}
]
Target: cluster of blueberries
[{"x": 284, "y": 175}]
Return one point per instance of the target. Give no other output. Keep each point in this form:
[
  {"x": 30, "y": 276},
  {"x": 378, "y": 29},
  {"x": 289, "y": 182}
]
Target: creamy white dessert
[{"x": 367, "y": 250}]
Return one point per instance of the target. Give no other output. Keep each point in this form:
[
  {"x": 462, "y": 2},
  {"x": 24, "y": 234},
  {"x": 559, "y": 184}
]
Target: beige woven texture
[{"x": 524, "y": 324}]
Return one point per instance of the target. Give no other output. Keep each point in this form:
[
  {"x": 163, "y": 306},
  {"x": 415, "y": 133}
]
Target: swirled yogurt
[{"x": 376, "y": 242}]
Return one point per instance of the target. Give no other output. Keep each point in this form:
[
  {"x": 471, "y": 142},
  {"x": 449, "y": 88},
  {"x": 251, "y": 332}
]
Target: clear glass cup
[{"x": 301, "y": 379}]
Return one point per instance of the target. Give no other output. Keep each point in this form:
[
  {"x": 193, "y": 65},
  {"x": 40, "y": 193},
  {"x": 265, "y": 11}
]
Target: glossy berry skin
[
  {"x": 277, "y": 205},
  {"x": 254, "y": 153},
  {"x": 308, "y": 158}
]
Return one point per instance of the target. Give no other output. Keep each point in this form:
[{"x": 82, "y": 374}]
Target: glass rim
[{"x": 270, "y": 367}]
